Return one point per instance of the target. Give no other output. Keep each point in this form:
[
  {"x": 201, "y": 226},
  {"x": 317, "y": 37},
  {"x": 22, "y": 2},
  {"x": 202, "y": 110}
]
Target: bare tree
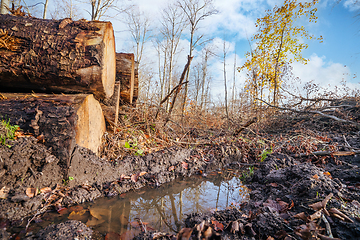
[
  {"x": 138, "y": 24},
  {"x": 172, "y": 26},
  {"x": 100, "y": 7},
  {"x": 66, "y": 9},
  {"x": 195, "y": 11}
]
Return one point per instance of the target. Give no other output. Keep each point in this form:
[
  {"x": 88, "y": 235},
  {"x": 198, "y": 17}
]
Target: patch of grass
[
  {"x": 66, "y": 181},
  {"x": 7, "y": 131},
  {"x": 246, "y": 174},
  {"x": 264, "y": 154}
]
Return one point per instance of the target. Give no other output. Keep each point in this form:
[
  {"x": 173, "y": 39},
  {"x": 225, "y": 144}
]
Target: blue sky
[{"x": 334, "y": 60}]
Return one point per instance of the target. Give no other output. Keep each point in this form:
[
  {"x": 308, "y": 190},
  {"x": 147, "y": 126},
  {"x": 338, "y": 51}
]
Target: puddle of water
[{"x": 162, "y": 208}]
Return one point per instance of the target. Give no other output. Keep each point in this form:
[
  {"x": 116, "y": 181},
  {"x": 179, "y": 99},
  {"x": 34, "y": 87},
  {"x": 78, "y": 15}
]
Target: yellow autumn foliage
[{"x": 278, "y": 41}]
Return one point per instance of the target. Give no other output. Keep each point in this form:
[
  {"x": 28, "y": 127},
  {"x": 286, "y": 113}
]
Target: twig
[
  {"x": 347, "y": 144},
  {"x": 141, "y": 224},
  {"x": 328, "y": 228}
]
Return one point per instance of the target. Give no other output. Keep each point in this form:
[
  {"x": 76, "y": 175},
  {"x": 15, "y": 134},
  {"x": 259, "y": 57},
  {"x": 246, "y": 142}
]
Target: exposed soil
[{"x": 283, "y": 185}]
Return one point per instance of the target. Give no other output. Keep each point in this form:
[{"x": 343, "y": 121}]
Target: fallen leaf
[
  {"x": 172, "y": 168},
  {"x": 273, "y": 184},
  {"x": 63, "y": 211},
  {"x": 209, "y": 233},
  {"x": 135, "y": 177},
  {"x": 217, "y": 225},
  {"x": 270, "y": 238},
  {"x": 284, "y": 205},
  {"x": 184, "y": 234},
  {"x": 77, "y": 215},
  {"x": 291, "y": 205},
  {"x": 301, "y": 216},
  {"x": 185, "y": 165},
  {"x": 327, "y": 174},
  {"x": 31, "y": 192},
  {"x": 316, "y": 177},
  {"x": 45, "y": 190},
  {"x": 234, "y": 227},
  {"x": 279, "y": 206},
  {"x": 142, "y": 173},
  {"x": 319, "y": 205}
]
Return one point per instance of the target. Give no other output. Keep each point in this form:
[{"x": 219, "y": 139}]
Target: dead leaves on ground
[{"x": 311, "y": 229}]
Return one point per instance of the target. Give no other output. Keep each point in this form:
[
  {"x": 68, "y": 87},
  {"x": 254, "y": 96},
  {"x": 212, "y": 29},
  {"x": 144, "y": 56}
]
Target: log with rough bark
[
  {"x": 59, "y": 121},
  {"x": 57, "y": 55},
  {"x": 127, "y": 76}
]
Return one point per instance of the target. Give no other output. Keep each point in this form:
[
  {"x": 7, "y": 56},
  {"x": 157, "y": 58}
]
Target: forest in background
[{"x": 176, "y": 81}]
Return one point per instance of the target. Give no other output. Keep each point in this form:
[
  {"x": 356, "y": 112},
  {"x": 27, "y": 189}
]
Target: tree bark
[
  {"x": 59, "y": 121},
  {"x": 127, "y": 76},
  {"x": 57, "y": 55}
]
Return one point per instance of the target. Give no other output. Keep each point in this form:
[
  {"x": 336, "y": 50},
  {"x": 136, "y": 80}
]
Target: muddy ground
[{"x": 284, "y": 185}]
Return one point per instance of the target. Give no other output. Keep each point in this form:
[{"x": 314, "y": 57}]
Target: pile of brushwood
[{"x": 305, "y": 184}]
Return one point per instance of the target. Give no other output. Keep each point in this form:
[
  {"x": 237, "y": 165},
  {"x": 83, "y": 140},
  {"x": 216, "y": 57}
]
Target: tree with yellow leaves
[{"x": 279, "y": 41}]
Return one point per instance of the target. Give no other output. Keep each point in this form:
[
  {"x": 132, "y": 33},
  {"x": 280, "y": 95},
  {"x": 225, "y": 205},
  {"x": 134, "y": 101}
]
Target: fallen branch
[
  {"x": 173, "y": 90},
  {"x": 312, "y": 112},
  {"x": 247, "y": 124},
  {"x": 326, "y": 153}
]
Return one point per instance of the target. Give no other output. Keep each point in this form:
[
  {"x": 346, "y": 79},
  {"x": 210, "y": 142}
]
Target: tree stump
[
  {"x": 57, "y": 55},
  {"x": 59, "y": 121}
]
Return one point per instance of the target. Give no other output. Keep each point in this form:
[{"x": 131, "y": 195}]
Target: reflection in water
[{"x": 163, "y": 208}]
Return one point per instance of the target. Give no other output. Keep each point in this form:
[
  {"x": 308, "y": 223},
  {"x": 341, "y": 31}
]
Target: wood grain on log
[
  {"x": 61, "y": 121},
  {"x": 57, "y": 55}
]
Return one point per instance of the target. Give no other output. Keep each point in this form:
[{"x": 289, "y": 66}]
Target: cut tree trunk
[
  {"x": 127, "y": 76},
  {"x": 128, "y": 81},
  {"x": 59, "y": 121},
  {"x": 57, "y": 55}
]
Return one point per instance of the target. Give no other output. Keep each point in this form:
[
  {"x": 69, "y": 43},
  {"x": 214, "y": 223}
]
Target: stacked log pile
[{"x": 56, "y": 57}]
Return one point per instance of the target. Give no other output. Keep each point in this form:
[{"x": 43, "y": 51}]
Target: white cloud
[
  {"x": 325, "y": 73},
  {"x": 352, "y": 5}
]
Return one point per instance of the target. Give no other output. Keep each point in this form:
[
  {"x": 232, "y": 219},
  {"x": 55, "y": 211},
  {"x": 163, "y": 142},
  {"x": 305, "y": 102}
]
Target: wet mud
[{"x": 291, "y": 197}]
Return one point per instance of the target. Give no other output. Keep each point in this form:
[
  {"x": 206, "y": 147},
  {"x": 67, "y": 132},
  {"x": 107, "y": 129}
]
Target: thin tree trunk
[
  {"x": 45, "y": 9},
  {"x": 188, "y": 72},
  {"x": 225, "y": 85},
  {"x": 277, "y": 68},
  {"x": 233, "y": 88}
]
